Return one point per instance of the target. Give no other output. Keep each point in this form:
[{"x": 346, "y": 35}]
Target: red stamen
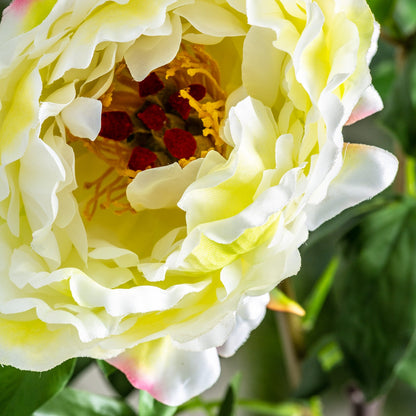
[
  {"x": 180, "y": 143},
  {"x": 154, "y": 117},
  {"x": 180, "y": 104},
  {"x": 197, "y": 91},
  {"x": 141, "y": 158},
  {"x": 150, "y": 85},
  {"x": 115, "y": 125}
]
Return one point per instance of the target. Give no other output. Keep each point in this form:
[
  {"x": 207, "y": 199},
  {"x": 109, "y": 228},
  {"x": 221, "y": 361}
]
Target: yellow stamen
[
  {"x": 184, "y": 162},
  {"x": 210, "y": 116}
]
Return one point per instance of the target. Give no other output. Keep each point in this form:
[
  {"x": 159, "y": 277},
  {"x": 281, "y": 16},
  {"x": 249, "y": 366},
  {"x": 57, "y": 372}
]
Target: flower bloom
[{"x": 161, "y": 163}]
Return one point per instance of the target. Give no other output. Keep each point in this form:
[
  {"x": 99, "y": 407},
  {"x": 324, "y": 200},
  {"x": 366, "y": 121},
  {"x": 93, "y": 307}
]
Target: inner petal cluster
[{"x": 173, "y": 115}]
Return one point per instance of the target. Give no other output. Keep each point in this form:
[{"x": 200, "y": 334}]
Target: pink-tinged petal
[
  {"x": 369, "y": 103},
  {"x": 20, "y": 6},
  {"x": 169, "y": 374},
  {"x": 366, "y": 171},
  {"x": 33, "y": 11},
  {"x": 19, "y": 18}
]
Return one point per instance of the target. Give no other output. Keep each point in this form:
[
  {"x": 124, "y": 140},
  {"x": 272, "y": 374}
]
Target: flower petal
[
  {"x": 369, "y": 103},
  {"x": 150, "y": 52},
  {"x": 83, "y": 117},
  {"x": 169, "y": 374},
  {"x": 161, "y": 187},
  {"x": 139, "y": 299},
  {"x": 366, "y": 171},
  {"x": 20, "y": 117},
  {"x": 211, "y": 19},
  {"x": 250, "y": 313},
  {"x": 261, "y": 66}
]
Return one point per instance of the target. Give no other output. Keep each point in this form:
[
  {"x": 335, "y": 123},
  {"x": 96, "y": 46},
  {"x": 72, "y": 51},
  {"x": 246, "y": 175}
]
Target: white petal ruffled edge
[{"x": 366, "y": 171}]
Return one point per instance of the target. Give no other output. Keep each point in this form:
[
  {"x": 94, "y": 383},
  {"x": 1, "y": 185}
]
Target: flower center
[{"x": 173, "y": 115}]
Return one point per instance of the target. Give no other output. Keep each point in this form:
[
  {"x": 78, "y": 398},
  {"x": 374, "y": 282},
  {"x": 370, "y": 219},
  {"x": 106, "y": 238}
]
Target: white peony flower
[{"x": 161, "y": 163}]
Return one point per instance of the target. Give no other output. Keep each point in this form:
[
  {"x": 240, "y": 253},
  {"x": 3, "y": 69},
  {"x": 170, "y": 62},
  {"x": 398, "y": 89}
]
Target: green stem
[
  {"x": 411, "y": 175},
  {"x": 289, "y": 350},
  {"x": 291, "y": 336}
]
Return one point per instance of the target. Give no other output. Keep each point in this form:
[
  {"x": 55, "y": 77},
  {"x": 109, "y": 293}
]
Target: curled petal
[
  {"x": 83, "y": 117},
  {"x": 366, "y": 171},
  {"x": 169, "y": 374},
  {"x": 369, "y": 103}
]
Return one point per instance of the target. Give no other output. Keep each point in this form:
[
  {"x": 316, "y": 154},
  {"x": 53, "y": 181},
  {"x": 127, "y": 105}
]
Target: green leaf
[
  {"x": 406, "y": 368},
  {"x": 382, "y": 9},
  {"x": 228, "y": 406},
  {"x": 322, "y": 358},
  {"x": 320, "y": 292},
  {"x": 106, "y": 368},
  {"x": 405, "y": 15},
  {"x": 22, "y": 392},
  {"x": 383, "y": 68},
  {"x": 311, "y": 408},
  {"x": 400, "y": 109},
  {"x": 330, "y": 355},
  {"x": 116, "y": 378},
  {"x": 313, "y": 378},
  {"x": 148, "y": 406},
  {"x": 71, "y": 402},
  {"x": 375, "y": 292}
]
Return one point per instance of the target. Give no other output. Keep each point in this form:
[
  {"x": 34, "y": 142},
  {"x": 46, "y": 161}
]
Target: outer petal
[
  {"x": 20, "y": 118},
  {"x": 366, "y": 171},
  {"x": 169, "y": 374},
  {"x": 369, "y": 103},
  {"x": 249, "y": 315}
]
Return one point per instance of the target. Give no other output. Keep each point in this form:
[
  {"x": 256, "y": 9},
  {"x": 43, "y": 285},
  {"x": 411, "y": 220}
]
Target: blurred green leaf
[
  {"x": 314, "y": 380},
  {"x": 384, "y": 74},
  {"x": 310, "y": 408},
  {"x": 71, "y": 402},
  {"x": 116, "y": 378},
  {"x": 375, "y": 290},
  {"x": 320, "y": 292},
  {"x": 106, "y": 368},
  {"x": 228, "y": 406},
  {"x": 148, "y": 406},
  {"x": 406, "y": 368},
  {"x": 22, "y": 392},
  {"x": 400, "y": 109},
  {"x": 322, "y": 358},
  {"x": 330, "y": 355},
  {"x": 405, "y": 15},
  {"x": 382, "y": 9}
]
